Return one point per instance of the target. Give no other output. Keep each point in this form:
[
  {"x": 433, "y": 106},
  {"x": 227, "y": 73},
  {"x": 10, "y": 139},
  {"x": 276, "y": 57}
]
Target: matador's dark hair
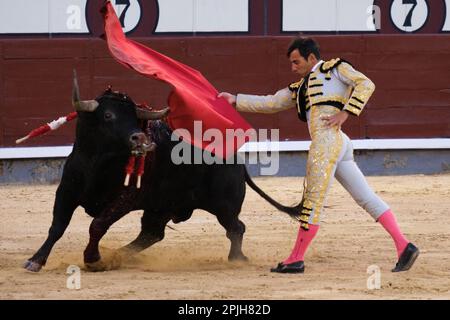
[{"x": 305, "y": 46}]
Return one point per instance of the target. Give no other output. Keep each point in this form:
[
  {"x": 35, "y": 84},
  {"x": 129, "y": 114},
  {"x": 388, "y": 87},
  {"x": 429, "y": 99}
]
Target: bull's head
[{"x": 117, "y": 117}]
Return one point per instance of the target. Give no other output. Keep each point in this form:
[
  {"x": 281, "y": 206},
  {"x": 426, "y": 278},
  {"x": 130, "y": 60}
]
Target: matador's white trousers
[
  {"x": 351, "y": 178},
  {"x": 331, "y": 155}
]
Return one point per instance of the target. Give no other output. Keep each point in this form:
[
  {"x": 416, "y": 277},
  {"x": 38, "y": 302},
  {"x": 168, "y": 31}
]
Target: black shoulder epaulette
[{"x": 295, "y": 85}]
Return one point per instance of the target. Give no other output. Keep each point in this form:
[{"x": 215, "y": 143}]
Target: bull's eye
[{"x": 108, "y": 116}]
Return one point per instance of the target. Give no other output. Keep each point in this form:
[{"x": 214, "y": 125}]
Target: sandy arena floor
[{"x": 191, "y": 263}]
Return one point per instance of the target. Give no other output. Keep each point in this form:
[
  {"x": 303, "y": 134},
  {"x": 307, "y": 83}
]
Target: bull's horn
[
  {"x": 88, "y": 105},
  {"x": 151, "y": 115}
]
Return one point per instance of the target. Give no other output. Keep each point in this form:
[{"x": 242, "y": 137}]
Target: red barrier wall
[{"x": 411, "y": 72}]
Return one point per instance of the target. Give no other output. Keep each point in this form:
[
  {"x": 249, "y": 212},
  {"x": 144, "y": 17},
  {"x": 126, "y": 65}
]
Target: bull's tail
[{"x": 294, "y": 211}]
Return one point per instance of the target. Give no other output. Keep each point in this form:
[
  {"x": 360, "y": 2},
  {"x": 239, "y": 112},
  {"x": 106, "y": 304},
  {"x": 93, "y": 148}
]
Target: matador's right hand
[{"x": 231, "y": 98}]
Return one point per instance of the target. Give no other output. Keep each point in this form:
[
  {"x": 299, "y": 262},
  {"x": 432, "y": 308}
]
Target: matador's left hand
[{"x": 335, "y": 120}]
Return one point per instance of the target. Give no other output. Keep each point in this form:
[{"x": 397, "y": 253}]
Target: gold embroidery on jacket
[
  {"x": 315, "y": 91},
  {"x": 328, "y": 65},
  {"x": 244, "y": 103},
  {"x": 315, "y": 83},
  {"x": 325, "y": 147},
  {"x": 363, "y": 88},
  {"x": 335, "y": 98},
  {"x": 294, "y": 87}
]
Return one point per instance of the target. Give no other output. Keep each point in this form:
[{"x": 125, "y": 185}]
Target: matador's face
[{"x": 300, "y": 65}]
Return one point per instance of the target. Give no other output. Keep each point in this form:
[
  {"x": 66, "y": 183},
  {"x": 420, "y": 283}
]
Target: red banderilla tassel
[
  {"x": 140, "y": 170},
  {"x": 129, "y": 169}
]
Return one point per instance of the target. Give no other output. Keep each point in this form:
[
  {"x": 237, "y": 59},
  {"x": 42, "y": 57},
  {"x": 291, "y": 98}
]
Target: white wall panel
[
  {"x": 203, "y": 16},
  {"x": 447, "y": 17},
  {"x": 327, "y": 15},
  {"x": 43, "y": 16}
]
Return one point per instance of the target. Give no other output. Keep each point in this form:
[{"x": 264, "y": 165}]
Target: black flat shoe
[
  {"x": 294, "y": 267},
  {"x": 407, "y": 258}
]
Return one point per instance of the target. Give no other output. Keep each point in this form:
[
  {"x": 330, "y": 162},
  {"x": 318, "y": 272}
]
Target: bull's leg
[
  {"x": 152, "y": 231},
  {"x": 99, "y": 226},
  {"x": 65, "y": 204},
  {"x": 235, "y": 232},
  {"x": 227, "y": 190}
]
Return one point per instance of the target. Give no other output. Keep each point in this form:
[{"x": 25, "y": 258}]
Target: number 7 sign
[{"x": 409, "y": 15}]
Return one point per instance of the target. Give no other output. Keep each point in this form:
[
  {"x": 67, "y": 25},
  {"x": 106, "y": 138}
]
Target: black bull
[{"x": 108, "y": 130}]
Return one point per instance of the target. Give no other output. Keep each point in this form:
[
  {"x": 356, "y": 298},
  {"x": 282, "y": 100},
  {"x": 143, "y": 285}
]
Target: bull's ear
[
  {"x": 152, "y": 115},
  {"x": 79, "y": 105}
]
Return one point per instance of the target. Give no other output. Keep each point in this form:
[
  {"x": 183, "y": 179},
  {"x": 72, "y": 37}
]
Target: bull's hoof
[
  {"x": 237, "y": 258},
  {"x": 96, "y": 266},
  {"x": 32, "y": 266},
  {"x": 106, "y": 264}
]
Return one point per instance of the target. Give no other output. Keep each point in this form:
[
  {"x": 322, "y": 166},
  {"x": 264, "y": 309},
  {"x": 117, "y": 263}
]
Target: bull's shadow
[{"x": 109, "y": 130}]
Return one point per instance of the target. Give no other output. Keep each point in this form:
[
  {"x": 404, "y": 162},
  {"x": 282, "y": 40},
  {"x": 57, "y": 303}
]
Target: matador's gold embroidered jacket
[
  {"x": 332, "y": 86},
  {"x": 333, "y": 82}
]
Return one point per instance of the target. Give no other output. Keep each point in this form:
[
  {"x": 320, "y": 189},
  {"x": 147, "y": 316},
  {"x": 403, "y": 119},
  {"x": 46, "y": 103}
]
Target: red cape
[{"x": 193, "y": 98}]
